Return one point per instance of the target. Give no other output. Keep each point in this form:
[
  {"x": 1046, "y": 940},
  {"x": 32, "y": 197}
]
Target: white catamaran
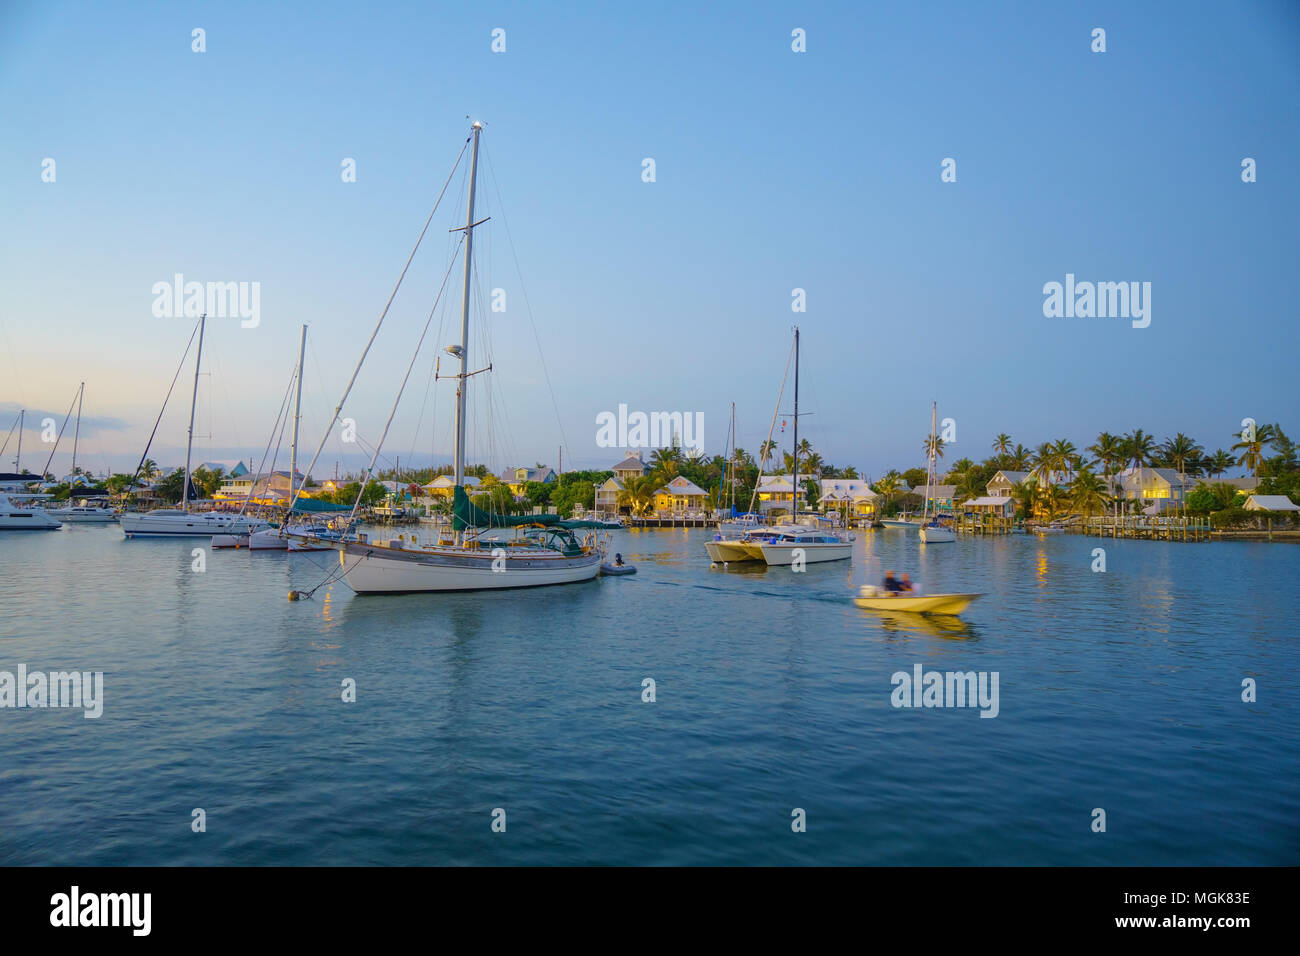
[{"x": 470, "y": 557}]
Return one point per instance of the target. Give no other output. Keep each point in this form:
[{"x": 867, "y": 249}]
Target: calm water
[{"x": 1119, "y": 690}]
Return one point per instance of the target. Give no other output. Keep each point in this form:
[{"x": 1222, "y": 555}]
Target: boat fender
[{"x": 296, "y": 595}]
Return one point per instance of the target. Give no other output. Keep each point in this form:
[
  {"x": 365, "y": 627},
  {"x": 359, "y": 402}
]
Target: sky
[{"x": 774, "y": 170}]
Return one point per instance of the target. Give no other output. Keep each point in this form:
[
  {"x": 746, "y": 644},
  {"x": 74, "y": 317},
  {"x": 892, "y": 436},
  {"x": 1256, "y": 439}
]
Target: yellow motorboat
[{"x": 878, "y": 599}]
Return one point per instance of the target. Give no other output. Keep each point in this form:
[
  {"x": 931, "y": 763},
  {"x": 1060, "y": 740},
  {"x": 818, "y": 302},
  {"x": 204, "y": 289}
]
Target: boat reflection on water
[{"x": 947, "y": 626}]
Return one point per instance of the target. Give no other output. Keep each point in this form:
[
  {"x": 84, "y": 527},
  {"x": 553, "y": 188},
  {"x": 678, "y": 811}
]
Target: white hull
[
  {"x": 21, "y": 521},
  {"x": 937, "y": 535},
  {"x": 230, "y": 541},
  {"x": 781, "y": 553},
  {"x": 375, "y": 569},
  {"x": 171, "y": 524}
]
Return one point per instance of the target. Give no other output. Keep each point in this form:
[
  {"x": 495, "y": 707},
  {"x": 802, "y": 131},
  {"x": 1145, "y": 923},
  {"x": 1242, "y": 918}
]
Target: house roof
[
  {"x": 842, "y": 488},
  {"x": 1271, "y": 503},
  {"x": 681, "y": 485},
  {"x": 631, "y": 463},
  {"x": 1014, "y": 477},
  {"x": 510, "y": 475},
  {"x": 944, "y": 491},
  {"x": 989, "y": 501},
  {"x": 449, "y": 481},
  {"x": 1246, "y": 484}
]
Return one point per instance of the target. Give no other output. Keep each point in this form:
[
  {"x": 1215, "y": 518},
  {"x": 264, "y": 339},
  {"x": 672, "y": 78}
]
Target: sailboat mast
[
  {"x": 794, "y": 491},
  {"x": 731, "y": 459},
  {"x": 194, "y": 401},
  {"x": 19, "y": 457},
  {"x": 929, "y": 471},
  {"x": 81, "y": 392},
  {"x": 297, "y": 413},
  {"x": 463, "y": 385}
]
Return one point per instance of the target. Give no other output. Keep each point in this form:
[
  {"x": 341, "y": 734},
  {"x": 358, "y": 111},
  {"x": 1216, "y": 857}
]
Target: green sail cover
[
  {"x": 312, "y": 505},
  {"x": 466, "y": 514}
]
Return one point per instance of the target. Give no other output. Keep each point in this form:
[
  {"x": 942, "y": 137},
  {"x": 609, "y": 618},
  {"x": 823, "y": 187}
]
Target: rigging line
[
  {"x": 366, "y": 351},
  {"x": 528, "y": 307},
  {"x": 59, "y": 437},
  {"x": 402, "y": 388},
  {"x": 149, "y": 444},
  {"x": 766, "y": 449},
  {"x": 284, "y": 402},
  {"x": 17, "y": 419}
]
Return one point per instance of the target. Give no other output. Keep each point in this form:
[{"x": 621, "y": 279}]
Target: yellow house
[
  {"x": 851, "y": 495},
  {"x": 441, "y": 487},
  {"x": 516, "y": 478},
  {"x": 775, "y": 493},
  {"x": 680, "y": 494}
]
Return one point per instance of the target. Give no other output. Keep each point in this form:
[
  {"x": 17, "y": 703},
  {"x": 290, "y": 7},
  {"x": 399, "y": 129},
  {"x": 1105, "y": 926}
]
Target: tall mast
[
  {"x": 18, "y": 457},
  {"x": 794, "y": 501},
  {"x": 297, "y": 413},
  {"x": 731, "y": 460},
  {"x": 463, "y": 384},
  {"x": 194, "y": 401},
  {"x": 77, "y": 430},
  {"x": 929, "y": 471}
]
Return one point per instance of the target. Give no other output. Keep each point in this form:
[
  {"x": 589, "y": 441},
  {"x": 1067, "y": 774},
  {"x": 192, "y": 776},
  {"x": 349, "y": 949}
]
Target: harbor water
[{"x": 1118, "y": 690}]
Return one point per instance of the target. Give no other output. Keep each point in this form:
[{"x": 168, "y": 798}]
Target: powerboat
[
  {"x": 84, "y": 513},
  {"x": 816, "y": 545},
  {"x": 878, "y": 599},
  {"x": 13, "y": 517}
]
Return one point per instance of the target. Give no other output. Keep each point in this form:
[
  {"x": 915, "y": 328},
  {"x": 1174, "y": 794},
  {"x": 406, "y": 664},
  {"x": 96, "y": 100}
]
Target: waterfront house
[
  {"x": 940, "y": 497},
  {"x": 775, "y": 493},
  {"x": 272, "y": 488},
  {"x": 516, "y": 478},
  {"x": 1004, "y": 483},
  {"x": 847, "y": 495},
  {"x": 1246, "y": 485},
  {"x": 1271, "y": 503},
  {"x": 442, "y": 487},
  {"x": 608, "y": 491},
  {"x": 680, "y": 495},
  {"x": 1003, "y": 506},
  {"x": 1151, "y": 485}
]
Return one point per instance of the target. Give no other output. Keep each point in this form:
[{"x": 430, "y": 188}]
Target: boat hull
[
  {"x": 937, "y": 535},
  {"x": 229, "y": 541},
  {"x": 781, "y": 554},
  {"x": 268, "y": 539},
  {"x": 377, "y": 569},
  {"x": 180, "y": 525},
  {"x": 922, "y": 604},
  {"x": 84, "y": 517},
  {"x": 725, "y": 552}
]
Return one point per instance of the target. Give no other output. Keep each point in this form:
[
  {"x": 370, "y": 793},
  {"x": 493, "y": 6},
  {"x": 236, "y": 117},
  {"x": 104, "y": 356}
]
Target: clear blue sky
[{"x": 775, "y": 170}]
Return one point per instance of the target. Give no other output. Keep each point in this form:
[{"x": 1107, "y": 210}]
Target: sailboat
[
  {"x": 83, "y": 512},
  {"x": 932, "y": 532},
  {"x": 545, "y": 549},
  {"x": 812, "y": 539},
  {"x": 181, "y": 522}
]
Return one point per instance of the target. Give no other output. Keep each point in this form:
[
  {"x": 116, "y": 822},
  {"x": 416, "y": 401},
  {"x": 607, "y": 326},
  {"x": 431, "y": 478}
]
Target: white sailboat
[
  {"x": 181, "y": 522},
  {"x": 932, "y": 532},
  {"x": 473, "y": 559},
  {"x": 83, "y": 512}
]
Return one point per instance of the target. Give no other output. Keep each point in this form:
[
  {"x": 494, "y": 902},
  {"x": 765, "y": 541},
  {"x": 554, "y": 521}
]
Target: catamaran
[
  {"x": 473, "y": 553},
  {"x": 932, "y": 531},
  {"x": 181, "y": 522}
]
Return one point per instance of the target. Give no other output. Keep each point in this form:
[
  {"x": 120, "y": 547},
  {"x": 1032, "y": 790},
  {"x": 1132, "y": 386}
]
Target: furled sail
[{"x": 466, "y": 514}]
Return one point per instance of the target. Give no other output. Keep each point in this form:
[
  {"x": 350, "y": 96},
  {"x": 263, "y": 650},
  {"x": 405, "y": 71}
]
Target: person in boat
[
  {"x": 618, "y": 560},
  {"x": 905, "y": 585},
  {"x": 892, "y": 584}
]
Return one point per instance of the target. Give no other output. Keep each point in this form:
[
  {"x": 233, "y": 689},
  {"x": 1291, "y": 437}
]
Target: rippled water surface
[{"x": 1118, "y": 690}]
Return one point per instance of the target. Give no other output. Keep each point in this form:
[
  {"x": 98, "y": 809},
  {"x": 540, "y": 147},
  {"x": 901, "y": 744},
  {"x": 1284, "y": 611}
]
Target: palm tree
[
  {"x": 1252, "y": 451},
  {"x": 1219, "y": 462},
  {"x": 1002, "y": 443},
  {"x": 1088, "y": 494},
  {"x": 639, "y": 494},
  {"x": 1107, "y": 449},
  {"x": 666, "y": 460},
  {"x": 1181, "y": 450},
  {"x": 1139, "y": 448},
  {"x": 887, "y": 486},
  {"x": 766, "y": 450},
  {"x": 1065, "y": 457},
  {"x": 1044, "y": 460},
  {"x": 1026, "y": 495},
  {"x": 933, "y": 444},
  {"x": 148, "y": 468},
  {"x": 1020, "y": 458}
]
